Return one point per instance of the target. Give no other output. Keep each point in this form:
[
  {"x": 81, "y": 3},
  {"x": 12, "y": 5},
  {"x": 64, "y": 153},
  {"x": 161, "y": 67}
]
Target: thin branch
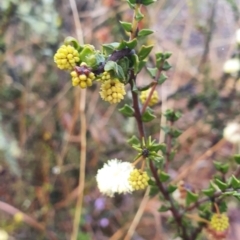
[
  {"x": 173, "y": 209},
  {"x": 83, "y": 132},
  {"x": 27, "y": 219}
]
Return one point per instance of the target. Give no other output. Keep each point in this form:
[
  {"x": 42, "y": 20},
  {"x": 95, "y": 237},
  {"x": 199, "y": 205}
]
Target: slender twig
[
  {"x": 27, "y": 219},
  {"x": 177, "y": 216},
  {"x": 154, "y": 85},
  {"x": 138, "y": 215},
  {"x": 208, "y": 35},
  {"x": 203, "y": 200},
  {"x": 149, "y": 97},
  {"x": 138, "y": 114},
  {"x": 83, "y": 131}
]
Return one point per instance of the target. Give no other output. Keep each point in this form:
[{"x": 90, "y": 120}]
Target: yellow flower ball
[
  {"x": 105, "y": 76},
  {"x": 18, "y": 217},
  {"x": 112, "y": 91},
  {"x": 66, "y": 57},
  {"x": 138, "y": 179},
  {"x": 82, "y": 80},
  {"x": 219, "y": 222},
  {"x": 154, "y": 98}
]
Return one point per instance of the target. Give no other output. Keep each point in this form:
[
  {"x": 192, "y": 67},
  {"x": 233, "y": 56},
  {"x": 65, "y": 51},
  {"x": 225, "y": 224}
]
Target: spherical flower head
[
  {"x": 3, "y": 235},
  {"x": 218, "y": 226},
  {"x": 231, "y": 66},
  {"x": 82, "y": 76},
  {"x": 66, "y": 57},
  {"x": 154, "y": 98},
  {"x": 138, "y": 179},
  {"x": 18, "y": 217},
  {"x": 113, "y": 177},
  {"x": 112, "y": 91},
  {"x": 105, "y": 76},
  {"x": 232, "y": 132},
  {"x": 238, "y": 36}
]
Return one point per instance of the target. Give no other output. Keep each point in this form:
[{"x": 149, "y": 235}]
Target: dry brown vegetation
[{"x": 40, "y": 139}]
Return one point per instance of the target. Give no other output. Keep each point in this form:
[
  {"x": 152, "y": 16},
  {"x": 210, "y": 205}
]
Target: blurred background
[{"x": 40, "y": 125}]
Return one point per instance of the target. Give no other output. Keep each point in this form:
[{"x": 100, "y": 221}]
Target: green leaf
[
  {"x": 152, "y": 72},
  {"x": 172, "y": 155},
  {"x": 191, "y": 198},
  {"x": 131, "y": 5},
  {"x": 109, "y": 48},
  {"x": 220, "y": 184},
  {"x": 167, "y": 55},
  {"x": 127, "y": 44},
  {"x": 237, "y": 158},
  {"x": 141, "y": 65},
  {"x": 159, "y": 59},
  {"x": 156, "y": 147},
  {"x": 171, "y": 188},
  {"x": 134, "y": 87},
  {"x": 234, "y": 182},
  {"x": 237, "y": 195},
  {"x": 126, "y": 26},
  {"x": 164, "y": 176},
  {"x": 175, "y": 133},
  {"x": 153, "y": 191},
  {"x": 158, "y": 160},
  {"x": 151, "y": 182},
  {"x": 223, "y": 168},
  {"x": 166, "y": 129},
  {"x": 162, "y": 79},
  {"x": 110, "y": 65},
  {"x": 148, "y": 115},
  {"x": 228, "y": 194},
  {"x": 117, "y": 69},
  {"x": 147, "y": 2},
  {"x": 145, "y": 32},
  {"x": 88, "y": 56},
  {"x": 139, "y": 16},
  {"x": 124, "y": 63},
  {"x": 134, "y": 141},
  {"x": 127, "y": 110},
  {"x": 135, "y": 61},
  {"x": 73, "y": 41},
  {"x": 166, "y": 66},
  {"x": 144, "y": 52},
  {"x": 209, "y": 192},
  {"x": 164, "y": 208},
  {"x": 171, "y": 115},
  {"x": 222, "y": 207},
  {"x": 119, "y": 73}
]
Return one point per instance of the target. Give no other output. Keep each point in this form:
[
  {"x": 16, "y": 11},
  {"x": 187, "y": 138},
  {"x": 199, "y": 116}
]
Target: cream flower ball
[
  {"x": 232, "y": 132},
  {"x": 114, "y": 177},
  {"x": 238, "y": 36},
  {"x": 231, "y": 66}
]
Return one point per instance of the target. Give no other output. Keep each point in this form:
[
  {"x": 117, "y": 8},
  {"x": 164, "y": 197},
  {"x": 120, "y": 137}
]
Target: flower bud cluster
[
  {"x": 218, "y": 226},
  {"x": 138, "y": 179},
  {"x": 154, "y": 98},
  {"x": 112, "y": 91},
  {"x": 66, "y": 57},
  {"x": 82, "y": 76},
  {"x": 105, "y": 76}
]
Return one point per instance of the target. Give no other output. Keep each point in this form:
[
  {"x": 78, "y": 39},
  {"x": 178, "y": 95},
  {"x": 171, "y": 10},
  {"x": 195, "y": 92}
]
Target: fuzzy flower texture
[{"x": 120, "y": 177}]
